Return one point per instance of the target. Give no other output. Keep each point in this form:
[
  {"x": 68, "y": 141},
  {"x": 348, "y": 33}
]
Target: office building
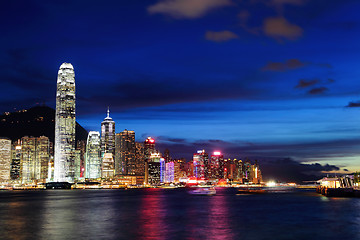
[
  {"x": 93, "y": 156},
  {"x": 64, "y": 166},
  {"x": 5, "y": 160},
  {"x": 125, "y": 149}
]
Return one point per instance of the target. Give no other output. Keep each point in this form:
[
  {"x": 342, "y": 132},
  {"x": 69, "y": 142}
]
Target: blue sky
[{"x": 267, "y": 79}]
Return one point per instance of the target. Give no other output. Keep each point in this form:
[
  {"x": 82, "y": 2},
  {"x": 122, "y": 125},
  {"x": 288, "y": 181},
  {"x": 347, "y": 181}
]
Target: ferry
[{"x": 202, "y": 191}]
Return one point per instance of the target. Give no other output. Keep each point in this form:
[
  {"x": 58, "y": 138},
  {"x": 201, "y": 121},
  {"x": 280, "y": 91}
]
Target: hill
[{"x": 36, "y": 121}]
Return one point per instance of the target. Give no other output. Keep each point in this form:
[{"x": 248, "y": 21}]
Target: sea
[{"x": 175, "y": 214}]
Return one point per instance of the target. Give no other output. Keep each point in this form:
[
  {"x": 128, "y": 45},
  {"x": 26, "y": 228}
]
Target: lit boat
[{"x": 203, "y": 191}]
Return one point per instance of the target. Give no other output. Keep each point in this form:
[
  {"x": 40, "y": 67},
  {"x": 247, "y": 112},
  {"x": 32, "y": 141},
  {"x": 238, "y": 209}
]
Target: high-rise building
[
  {"x": 149, "y": 148},
  {"x": 81, "y": 147},
  {"x": 15, "y": 168},
  {"x": 34, "y": 158},
  {"x": 199, "y": 160},
  {"x": 5, "y": 159},
  {"x": 108, "y": 167},
  {"x": 154, "y": 169},
  {"x": 64, "y": 166},
  {"x": 216, "y": 166},
  {"x": 125, "y": 161},
  {"x": 108, "y": 136},
  {"x": 42, "y": 158},
  {"x": 93, "y": 156},
  {"x": 139, "y": 159}
]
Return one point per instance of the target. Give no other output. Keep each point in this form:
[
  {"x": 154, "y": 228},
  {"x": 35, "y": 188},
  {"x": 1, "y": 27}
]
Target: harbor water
[{"x": 175, "y": 214}]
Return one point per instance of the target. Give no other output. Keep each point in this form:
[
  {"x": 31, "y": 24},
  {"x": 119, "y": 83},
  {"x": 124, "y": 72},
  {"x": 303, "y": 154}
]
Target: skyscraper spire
[{"x": 108, "y": 112}]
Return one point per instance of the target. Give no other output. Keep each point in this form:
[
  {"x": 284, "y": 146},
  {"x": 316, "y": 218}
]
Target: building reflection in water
[
  {"x": 219, "y": 218},
  {"x": 152, "y": 215}
]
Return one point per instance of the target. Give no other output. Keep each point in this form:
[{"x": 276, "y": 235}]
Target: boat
[
  {"x": 251, "y": 190},
  {"x": 202, "y": 191}
]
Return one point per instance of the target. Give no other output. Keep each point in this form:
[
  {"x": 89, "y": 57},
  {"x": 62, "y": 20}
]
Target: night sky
[{"x": 276, "y": 80}]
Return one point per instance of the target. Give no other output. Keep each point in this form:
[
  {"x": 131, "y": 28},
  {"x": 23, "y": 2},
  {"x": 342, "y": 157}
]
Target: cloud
[
  {"x": 186, "y": 9},
  {"x": 354, "y": 104},
  {"x": 221, "y": 36},
  {"x": 303, "y": 83},
  {"x": 279, "y": 28},
  {"x": 292, "y": 2},
  {"x": 319, "y": 90},
  {"x": 283, "y": 66}
]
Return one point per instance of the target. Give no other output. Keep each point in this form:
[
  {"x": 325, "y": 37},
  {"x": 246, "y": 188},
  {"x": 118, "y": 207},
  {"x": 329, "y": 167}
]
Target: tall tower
[
  {"x": 64, "y": 163},
  {"x": 108, "y": 135},
  {"x": 93, "y": 156},
  {"x": 125, "y": 153}
]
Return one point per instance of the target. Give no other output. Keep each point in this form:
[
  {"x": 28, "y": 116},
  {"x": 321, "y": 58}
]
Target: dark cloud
[
  {"x": 280, "y": 28},
  {"x": 284, "y": 66},
  {"x": 189, "y": 9},
  {"x": 319, "y": 90},
  {"x": 222, "y": 36},
  {"x": 304, "y": 83},
  {"x": 353, "y": 104}
]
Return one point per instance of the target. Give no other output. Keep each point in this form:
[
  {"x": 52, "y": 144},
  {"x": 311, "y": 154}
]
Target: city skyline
[{"x": 268, "y": 81}]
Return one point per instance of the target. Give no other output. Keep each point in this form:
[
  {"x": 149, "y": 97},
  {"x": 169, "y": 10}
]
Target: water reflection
[
  {"x": 151, "y": 215},
  {"x": 219, "y": 218}
]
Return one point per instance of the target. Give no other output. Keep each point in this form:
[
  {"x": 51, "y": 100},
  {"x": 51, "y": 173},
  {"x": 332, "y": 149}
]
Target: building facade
[
  {"x": 93, "y": 156},
  {"x": 65, "y": 123},
  {"x": 108, "y": 136},
  {"x": 125, "y": 149},
  {"x": 5, "y": 160}
]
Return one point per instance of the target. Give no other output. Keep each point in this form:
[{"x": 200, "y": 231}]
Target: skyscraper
[
  {"x": 93, "y": 156},
  {"x": 216, "y": 166},
  {"x": 125, "y": 153},
  {"x": 149, "y": 148},
  {"x": 34, "y": 158},
  {"x": 15, "y": 170},
  {"x": 200, "y": 158},
  {"x": 5, "y": 159},
  {"x": 108, "y": 135},
  {"x": 139, "y": 159},
  {"x": 64, "y": 166}
]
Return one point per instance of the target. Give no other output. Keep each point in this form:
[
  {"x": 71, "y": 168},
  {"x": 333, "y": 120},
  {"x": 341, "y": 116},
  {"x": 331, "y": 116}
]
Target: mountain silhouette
[{"x": 36, "y": 121}]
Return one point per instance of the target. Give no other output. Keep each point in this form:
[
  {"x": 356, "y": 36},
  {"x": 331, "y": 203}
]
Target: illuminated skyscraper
[
  {"x": 15, "y": 169},
  {"x": 139, "y": 159},
  {"x": 125, "y": 153},
  {"x": 216, "y": 166},
  {"x": 199, "y": 160},
  {"x": 5, "y": 159},
  {"x": 35, "y": 158},
  {"x": 64, "y": 166},
  {"x": 154, "y": 169},
  {"x": 149, "y": 148},
  {"x": 93, "y": 156},
  {"x": 108, "y": 135}
]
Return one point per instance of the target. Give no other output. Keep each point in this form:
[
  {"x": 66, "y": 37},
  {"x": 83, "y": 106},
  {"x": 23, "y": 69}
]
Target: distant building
[
  {"x": 154, "y": 169},
  {"x": 108, "y": 167},
  {"x": 34, "y": 158},
  {"x": 125, "y": 161},
  {"x": 15, "y": 168},
  {"x": 149, "y": 149},
  {"x": 108, "y": 136},
  {"x": 5, "y": 159},
  {"x": 93, "y": 156},
  {"x": 139, "y": 159},
  {"x": 65, "y": 125},
  {"x": 199, "y": 160},
  {"x": 216, "y": 166}
]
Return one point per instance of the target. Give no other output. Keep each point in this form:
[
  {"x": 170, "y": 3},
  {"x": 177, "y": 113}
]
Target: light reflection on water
[{"x": 174, "y": 214}]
